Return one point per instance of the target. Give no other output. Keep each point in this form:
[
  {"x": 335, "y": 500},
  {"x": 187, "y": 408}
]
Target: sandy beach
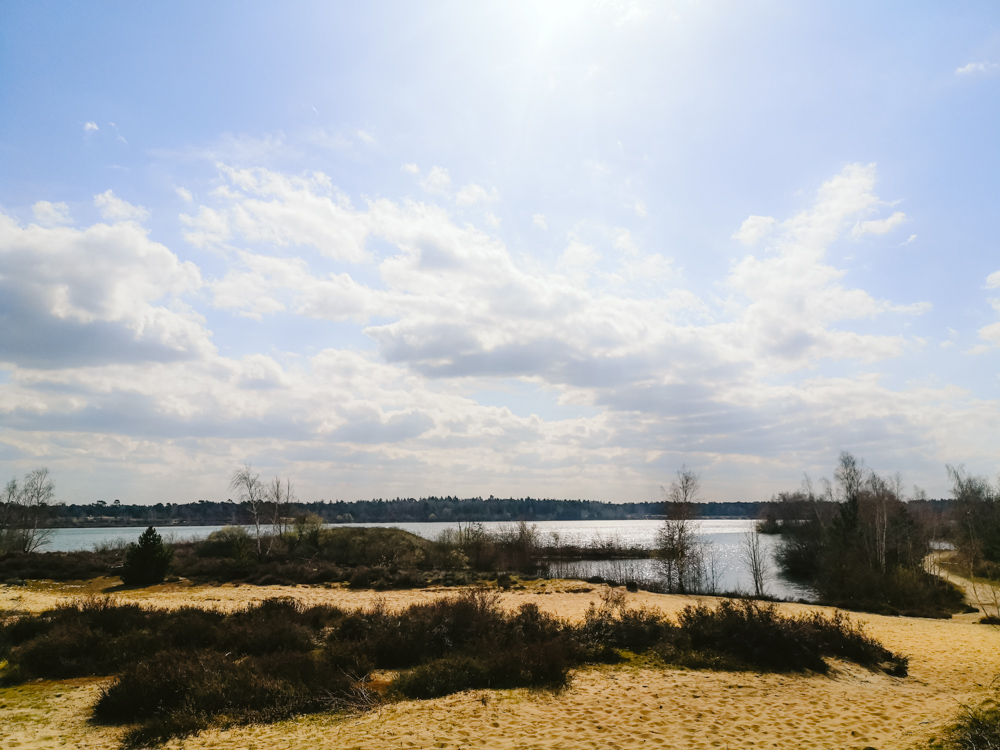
[{"x": 952, "y": 662}]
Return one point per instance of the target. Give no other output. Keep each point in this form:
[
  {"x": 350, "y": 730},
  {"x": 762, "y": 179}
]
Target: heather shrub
[{"x": 179, "y": 671}]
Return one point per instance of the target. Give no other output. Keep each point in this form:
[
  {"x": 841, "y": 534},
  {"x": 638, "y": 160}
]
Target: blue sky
[{"x": 557, "y": 249}]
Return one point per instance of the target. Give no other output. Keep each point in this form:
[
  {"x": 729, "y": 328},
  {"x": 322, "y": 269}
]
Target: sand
[{"x": 952, "y": 662}]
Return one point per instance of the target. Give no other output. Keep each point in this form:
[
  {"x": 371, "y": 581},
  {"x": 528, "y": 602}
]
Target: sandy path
[
  {"x": 952, "y": 662},
  {"x": 982, "y": 594}
]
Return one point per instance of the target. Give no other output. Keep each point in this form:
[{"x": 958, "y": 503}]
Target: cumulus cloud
[
  {"x": 113, "y": 208},
  {"x": 991, "y": 333},
  {"x": 993, "y": 280},
  {"x": 89, "y": 127},
  {"x": 51, "y": 214},
  {"x": 792, "y": 316},
  {"x": 266, "y": 207},
  {"x": 472, "y": 194},
  {"x": 877, "y": 226},
  {"x": 411, "y": 168},
  {"x": 367, "y": 137},
  {"x": 448, "y": 309},
  {"x": 263, "y": 284},
  {"x": 640, "y": 208},
  {"x": 795, "y": 298},
  {"x": 755, "y": 228},
  {"x": 577, "y": 259},
  {"x": 437, "y": 180},
  {"x": 539, "y": 221},
  {"x": 208, "y": 227},
  {"x": 184, "y": 194},
  {"x": 104, "y": 283}
]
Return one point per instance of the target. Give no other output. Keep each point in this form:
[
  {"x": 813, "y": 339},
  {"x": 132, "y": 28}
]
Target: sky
[{"x": 547, "y": 249}]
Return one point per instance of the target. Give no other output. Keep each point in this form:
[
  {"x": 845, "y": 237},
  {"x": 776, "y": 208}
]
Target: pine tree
[{"x": 146, "y": 561}]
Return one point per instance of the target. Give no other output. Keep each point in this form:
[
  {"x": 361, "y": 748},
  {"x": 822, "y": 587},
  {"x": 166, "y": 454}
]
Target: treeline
[{"x": 398, "y": 510}]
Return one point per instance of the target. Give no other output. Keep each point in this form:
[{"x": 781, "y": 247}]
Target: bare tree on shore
[
  {"x": 251, "y": 493},
  {"x": 755, "y": 558},
  {"x": 22, "y": 512},
  {"x": 680, "y": 552}
]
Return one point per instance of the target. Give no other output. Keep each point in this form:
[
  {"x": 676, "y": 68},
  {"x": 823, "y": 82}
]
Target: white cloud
[
  {"x": 118, "y": 136},
  {"x": 976, "y": 67},
  {"x": 51, "y": 214},
  {"x": 184, "y": 194},
  {"x": 878, "y": 226},
  {"x": 286, "y": 211},
  {"x": 411, "y": 168},
  {"x": 577, "y": 260},
  {"x": 993, "y": 280},
  {"x": 113, "y": 208},
  {"x": 90, "y": 127},
  {"x": 640, "y": 208},
  {"x": 796, "y": 298},
  {"x": 755, "y": 228},
  {"x": 472, "y": 194},
  {"x": 74, "y": 281},
  {"x": 437, "y": 180},
  {"x": 451, "y": 310},
  {"x": 989, "y": 333},
  {"x": 367, "y": 137},
  {"x": 624, "y": 243},
  {"x": 539, "y": 221},
  {"x": 208, "y": 228},
  {"x": 492, "y": 220},
  {"x": 265, "y": 285}
]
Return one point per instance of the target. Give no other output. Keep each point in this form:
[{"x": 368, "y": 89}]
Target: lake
[{"x": 723, "y": 537}]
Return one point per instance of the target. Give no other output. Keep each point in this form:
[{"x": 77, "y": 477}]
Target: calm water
[{"x": 724, "y": 539}]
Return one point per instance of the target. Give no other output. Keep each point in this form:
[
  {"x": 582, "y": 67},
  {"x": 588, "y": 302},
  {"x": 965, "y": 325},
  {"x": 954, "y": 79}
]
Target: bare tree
[
  {"x": 681, "y": 554},
  {"x": 755, "y": 558},
  {"x": 251, "y": 493},
  {"x": 22, "y": 512},
  {"x": 280, "y": 497},
  {"x": 882, "y": 493}
]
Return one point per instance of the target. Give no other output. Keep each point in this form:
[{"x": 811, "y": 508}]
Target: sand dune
[{"x": 951, "y": 662}]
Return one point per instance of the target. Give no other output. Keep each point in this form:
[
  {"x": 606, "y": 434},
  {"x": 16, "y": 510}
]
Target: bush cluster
[
  {"x": 181, "y": 670},
  {"x": 864, "y": 551}
]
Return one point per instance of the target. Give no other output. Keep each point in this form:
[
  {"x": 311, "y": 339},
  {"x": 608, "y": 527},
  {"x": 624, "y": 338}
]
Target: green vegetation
[
  {"x": 977, "y": 728},
  {"x": 861, "y": 549},
  {"x": 147, "y": 560},
  {"x": 183, "y": 670},
  {"x": 307, "y": 553},
  {"x": 976, "y": 524}
]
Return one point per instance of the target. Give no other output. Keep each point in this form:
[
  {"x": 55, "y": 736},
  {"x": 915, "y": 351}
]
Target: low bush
[
  {"x": 977, "y": 728},
  {"x": 177, "y": 693},
  {"x": 747, "y": 634},
  {"x": 182, "y": 670},
  {"x": 59, "y": 566}
]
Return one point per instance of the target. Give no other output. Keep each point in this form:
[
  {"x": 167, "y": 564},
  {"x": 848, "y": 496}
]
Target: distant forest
[{"x": 407, "y": 510}]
